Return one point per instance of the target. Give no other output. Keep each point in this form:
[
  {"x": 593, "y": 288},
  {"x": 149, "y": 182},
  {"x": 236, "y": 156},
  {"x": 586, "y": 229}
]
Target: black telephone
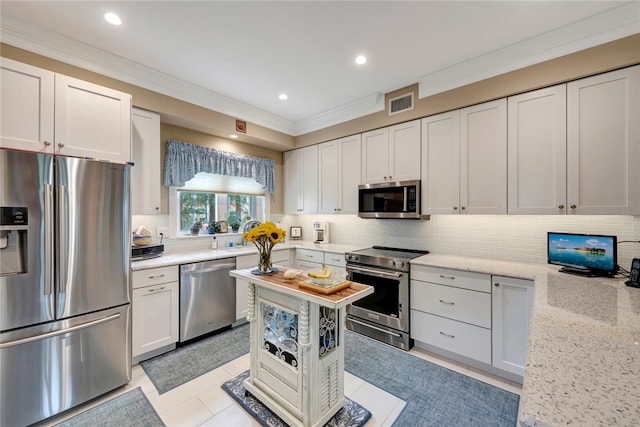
[{"x": 634, "y": 274}]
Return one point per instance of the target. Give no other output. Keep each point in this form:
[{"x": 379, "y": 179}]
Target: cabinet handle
[
  {"x": 155, "y": 277},
  {"x": 385, "y": 178},
  {"x": 390, "y": 177},
  {"x": 447, "y": 277},
  {"x": 447, "y": 302},
  {"x": 561, "y": 207},
  {"x": 496, "y": 284},
  {"x": 308, "y": 256},
  {"x": 153, "y": 290},
  {"x": 463, "y": 208},
  {"x": 60, "y": 145},
  {"x": 447, "y": 335},
  {"x": 573, "y": 206},
  {"x": 47, "y": 143},
  {"x": 455, "y": 208}
]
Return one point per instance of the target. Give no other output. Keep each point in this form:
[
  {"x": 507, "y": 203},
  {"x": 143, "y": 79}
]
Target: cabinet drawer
[
  {"x": 460, "y": 338},
  {"x": 309, "y": 255},
  {"x": 335, "y": 259},
  {"x": 453, "y": 303},
  {"x": 457, "y": 278},
  {"x": 154, "y": 276},
  {"x": 280, "y": 257}
]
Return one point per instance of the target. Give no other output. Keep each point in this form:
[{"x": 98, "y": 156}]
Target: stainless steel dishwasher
[{"x": 207, "y": 297}]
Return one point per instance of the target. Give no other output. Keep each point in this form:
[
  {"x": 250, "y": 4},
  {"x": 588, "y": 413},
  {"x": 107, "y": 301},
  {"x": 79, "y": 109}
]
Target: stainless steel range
[{"x": 383, "y": 315}]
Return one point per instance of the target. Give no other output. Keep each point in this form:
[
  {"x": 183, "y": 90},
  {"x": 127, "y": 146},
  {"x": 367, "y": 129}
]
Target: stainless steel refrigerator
[{"x": 65, "y": 332}]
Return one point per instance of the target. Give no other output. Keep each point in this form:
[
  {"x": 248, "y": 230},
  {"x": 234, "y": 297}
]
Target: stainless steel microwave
[{"x": 400, "y": 199}]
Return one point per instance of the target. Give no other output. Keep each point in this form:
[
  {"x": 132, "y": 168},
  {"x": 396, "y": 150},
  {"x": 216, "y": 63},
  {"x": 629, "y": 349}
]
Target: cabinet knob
[
  {"x": 385, "y": 178},
  {"x": 496, "y": 284},
  {"x": 157, "y": 208},
  {"x": 573, "y": 206},
  {"x": 47, "y": 143},
  {"x": 390, "y": 177},
  {"x": 561, "y": 207},
  {"x": 60, "y": 145},
  {"x": 455, "y": 208},
  {"x": 463, "y": 208}
]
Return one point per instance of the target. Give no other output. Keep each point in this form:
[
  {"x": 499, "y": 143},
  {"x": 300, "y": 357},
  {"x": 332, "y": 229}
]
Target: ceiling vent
[{"x": 401, "y": 103}]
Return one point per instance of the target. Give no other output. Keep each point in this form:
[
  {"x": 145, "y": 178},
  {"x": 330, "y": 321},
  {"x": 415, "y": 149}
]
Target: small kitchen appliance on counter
[
  {"x": 320, "y": 232},
  {"x": 139, "y": 253}
]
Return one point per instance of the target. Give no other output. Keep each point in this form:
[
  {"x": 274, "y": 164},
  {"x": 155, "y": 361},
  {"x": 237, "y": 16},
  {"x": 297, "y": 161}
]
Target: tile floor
[{"x": 202, "y": 402}]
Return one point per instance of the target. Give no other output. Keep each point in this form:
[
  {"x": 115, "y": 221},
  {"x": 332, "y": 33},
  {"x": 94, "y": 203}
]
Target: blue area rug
[
  {"x": 177, "y": 367},
  {"x": 351, "y": 414},
  {"x": 435, "y": 396},
  {"x": 129, "y": 409}
]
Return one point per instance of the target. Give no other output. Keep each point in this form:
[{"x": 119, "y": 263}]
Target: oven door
[{"x": 389, "y": 303}]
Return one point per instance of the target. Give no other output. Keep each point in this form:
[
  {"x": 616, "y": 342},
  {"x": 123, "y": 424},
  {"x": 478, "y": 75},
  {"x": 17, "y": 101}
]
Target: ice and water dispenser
[{"x": 14, "y": 223}]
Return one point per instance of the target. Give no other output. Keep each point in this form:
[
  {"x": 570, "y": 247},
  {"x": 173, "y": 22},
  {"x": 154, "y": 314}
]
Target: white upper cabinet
[
  {"x": 57, "y": 114},
  {"x": 483, "y": 158},
  {"x": 92, "y": 121},
  {"x": 441, "y": 163},
  {"x": 301, "y": 178},
  {"x": 464, "y": 160},
  {"x": 537, "y": 165},
  {"x": 145, "y": 155},
  {"x": 339, "y": 175},
  {"x": 603, "y": 143},
  {"x": 26, "y": 109},
  {"x": 391, "y": 153}
]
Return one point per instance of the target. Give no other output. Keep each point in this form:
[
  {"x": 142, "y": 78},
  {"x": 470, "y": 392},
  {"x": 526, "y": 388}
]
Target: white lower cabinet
[
  {"x": 155, "y": 312},
  {"x": 451, "y": 310},
  {"x": 245, "y": 261},
  {"x": 512, "y": 303},
  {"x": 307, "y": 259}
]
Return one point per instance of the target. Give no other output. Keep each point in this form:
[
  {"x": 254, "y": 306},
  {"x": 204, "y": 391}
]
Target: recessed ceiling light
[
  {"x": 283, "y": 97},
  {"x": 233, "y": 136},
  {"x": 361, "y": 59},
  {"x": 112, "y": 18}
]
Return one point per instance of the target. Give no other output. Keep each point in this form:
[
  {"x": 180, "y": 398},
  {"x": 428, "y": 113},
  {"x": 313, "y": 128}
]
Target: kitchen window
[{"x": 210, "y": 198}]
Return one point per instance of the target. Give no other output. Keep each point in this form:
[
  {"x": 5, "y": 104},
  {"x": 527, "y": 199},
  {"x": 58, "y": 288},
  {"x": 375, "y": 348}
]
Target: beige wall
[
  {"x": 191, "y": 136},
  {"x": 606, "y": 57}
]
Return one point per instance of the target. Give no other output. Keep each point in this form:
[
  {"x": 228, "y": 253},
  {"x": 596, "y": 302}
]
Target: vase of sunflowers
[{"x": 265, "y": 237}]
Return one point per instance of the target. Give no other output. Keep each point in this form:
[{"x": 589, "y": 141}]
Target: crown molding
[
  {"x": 361, "y": 107},
  {"x": 611, "y": 25}
]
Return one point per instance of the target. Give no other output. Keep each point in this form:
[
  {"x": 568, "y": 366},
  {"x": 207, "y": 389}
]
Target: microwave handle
[{"x": 404, "y": 206}]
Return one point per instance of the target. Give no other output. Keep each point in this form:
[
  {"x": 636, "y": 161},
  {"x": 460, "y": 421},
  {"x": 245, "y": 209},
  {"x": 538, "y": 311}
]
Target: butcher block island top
[{"x": 297, "y": 287}]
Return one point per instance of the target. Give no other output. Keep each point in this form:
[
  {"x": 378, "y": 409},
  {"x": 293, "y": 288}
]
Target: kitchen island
[
  {"x": 297, "y": 346},
  {"x": 583, "y": 356}
]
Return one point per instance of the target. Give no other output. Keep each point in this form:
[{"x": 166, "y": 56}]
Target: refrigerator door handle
[
  {"x": 63, "y": 244},
  {"x": 48, "y": 239},
  {"x": 60, "y": 331}
]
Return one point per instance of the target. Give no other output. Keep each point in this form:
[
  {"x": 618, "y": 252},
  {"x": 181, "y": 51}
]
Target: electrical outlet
[{"x": 163, "y": 232}]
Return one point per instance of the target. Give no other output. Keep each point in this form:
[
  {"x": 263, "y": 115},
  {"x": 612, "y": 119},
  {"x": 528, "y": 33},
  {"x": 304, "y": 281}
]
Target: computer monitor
[{"x": 583, "y": 254}]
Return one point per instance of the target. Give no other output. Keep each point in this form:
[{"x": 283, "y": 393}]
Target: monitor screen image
[{"x": 587, "y": 254}]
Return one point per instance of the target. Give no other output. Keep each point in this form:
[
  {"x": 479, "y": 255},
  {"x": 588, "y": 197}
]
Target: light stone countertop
[
  {"x": 583, "y": 361},
  {"x": 187, "y": 257}
]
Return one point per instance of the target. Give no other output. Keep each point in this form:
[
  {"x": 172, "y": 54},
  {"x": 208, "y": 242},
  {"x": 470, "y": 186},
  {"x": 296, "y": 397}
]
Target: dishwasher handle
[{"x": 218, "y": 267}]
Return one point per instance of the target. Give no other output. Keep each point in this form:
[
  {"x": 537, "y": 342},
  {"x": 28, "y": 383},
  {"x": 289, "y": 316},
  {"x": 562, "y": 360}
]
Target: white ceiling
[{"x": 236, "y": 57}]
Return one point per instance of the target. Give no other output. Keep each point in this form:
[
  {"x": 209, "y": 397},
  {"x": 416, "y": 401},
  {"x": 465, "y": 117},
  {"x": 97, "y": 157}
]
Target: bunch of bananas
[{"x": 325, "y": 273}]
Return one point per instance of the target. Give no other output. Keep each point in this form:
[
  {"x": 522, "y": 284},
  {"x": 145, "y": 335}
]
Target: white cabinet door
[
  {"x": 339, "y": 174},
  {"x": 26, "y": 107},
  {"x": 441, "y": 164},
  {"x": 375, "y": 156},
  {"x": 301, "y": 178},
  {"x": 351, "y": 172},
  {"x": 91, "y": 121},
  {"x": 603, "y": 144},
  {"x": 404, "y": 151},
  {"x": 537, "y": 139},
  {"x": 483, "y": 158},
  {"x": 328, "y": 177},
  {"x": 145, "y": 174},
  {"x": 154, "y": 317},
  {"x": 512, "y": 303}
]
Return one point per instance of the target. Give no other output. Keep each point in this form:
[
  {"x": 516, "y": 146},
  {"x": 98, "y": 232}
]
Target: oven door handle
[
  {"x": 373, "y": 327},
  {"x": 378, "y": 272}
]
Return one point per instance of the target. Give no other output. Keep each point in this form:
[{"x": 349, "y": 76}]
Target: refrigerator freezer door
[
  {"x": 94, "y": 242},
  {"x": 47, "y": 369},
  {"x": 26, "y": 294}
]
